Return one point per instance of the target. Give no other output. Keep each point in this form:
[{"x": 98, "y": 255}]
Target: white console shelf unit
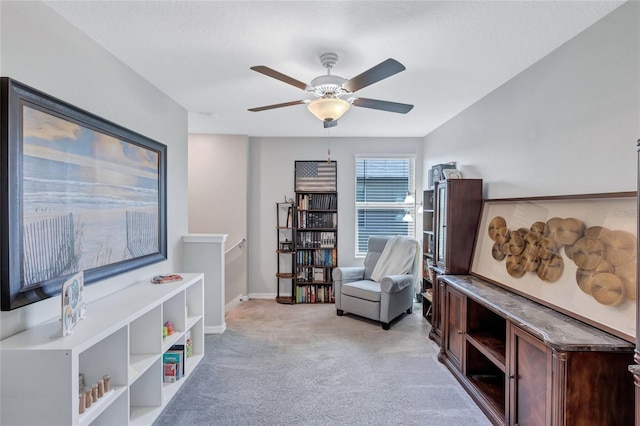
[{"x": 122, "y": 337}]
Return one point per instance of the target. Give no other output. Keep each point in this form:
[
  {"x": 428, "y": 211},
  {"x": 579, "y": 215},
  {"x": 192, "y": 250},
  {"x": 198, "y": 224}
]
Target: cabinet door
[
  {"x": 455, "y": 320},
  {"x": 530, "y": 380},
  {"x": 441, "y": 225},
  {"x": 438, "y": 307}
]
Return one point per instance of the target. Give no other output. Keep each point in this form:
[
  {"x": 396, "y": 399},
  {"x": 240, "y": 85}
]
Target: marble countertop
[{"x": 556, "y": 329}]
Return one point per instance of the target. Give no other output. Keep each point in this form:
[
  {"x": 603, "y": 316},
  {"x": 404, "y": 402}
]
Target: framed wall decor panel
[
  {"x": 315, "y": 176},
  {"x": 576, "y": 254},
  {"x": 78, "y": 193}
]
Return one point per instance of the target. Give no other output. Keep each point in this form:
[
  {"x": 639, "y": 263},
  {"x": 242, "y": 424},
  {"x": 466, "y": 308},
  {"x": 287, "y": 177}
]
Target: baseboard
[
  {"x": 234, "y": 303},
  {"x": 265, "y": 295},
  {"x": 215, "y": 329}
]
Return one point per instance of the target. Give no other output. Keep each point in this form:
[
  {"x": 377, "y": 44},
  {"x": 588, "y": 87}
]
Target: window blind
[{"x": 382, "y": 185}]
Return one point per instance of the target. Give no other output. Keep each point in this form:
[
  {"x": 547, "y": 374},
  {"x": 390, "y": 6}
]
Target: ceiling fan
[{"x": 329, "y": 90}]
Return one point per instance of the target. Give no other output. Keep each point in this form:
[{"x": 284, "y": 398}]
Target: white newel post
[{"x": 205, "y": 253}]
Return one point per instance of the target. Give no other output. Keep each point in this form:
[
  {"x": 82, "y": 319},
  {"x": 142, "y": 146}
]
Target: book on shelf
[
  {"x": 318, "y": 274},
  {"x": 182, "y": 351},
  {"x": 290, "y": 217},
  {"x": 170, "y": 372}
]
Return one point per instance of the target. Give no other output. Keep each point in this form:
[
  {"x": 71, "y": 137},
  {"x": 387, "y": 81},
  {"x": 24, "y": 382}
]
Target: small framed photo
[
  {"x": 73, "y": 306},
  {"x": 451, "y": 174}
]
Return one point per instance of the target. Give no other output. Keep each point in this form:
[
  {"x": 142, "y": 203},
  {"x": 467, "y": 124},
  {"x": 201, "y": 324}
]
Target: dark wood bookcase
[
  {"x": 454, "y": 220},
  {"x": 428, "y": 244},
  {"x": 457, "y": 210},
  {"x": 315, "y": 231}
]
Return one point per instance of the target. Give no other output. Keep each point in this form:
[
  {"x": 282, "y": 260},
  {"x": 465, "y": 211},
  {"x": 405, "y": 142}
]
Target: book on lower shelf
[
  {"x": 318, "y": 274},
  {"x": 173, "y": 361},
  {"x": 170, "y": 372}
]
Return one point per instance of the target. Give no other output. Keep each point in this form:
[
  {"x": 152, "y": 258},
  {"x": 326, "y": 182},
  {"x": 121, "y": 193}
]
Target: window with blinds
[{"x": 382, "y": 185}]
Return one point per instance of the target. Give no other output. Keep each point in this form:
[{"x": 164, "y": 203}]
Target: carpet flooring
[{"x": 303, "y": 365}]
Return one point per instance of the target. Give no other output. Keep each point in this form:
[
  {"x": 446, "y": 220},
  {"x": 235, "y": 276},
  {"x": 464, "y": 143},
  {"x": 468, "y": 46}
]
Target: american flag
[{"x": 315, "y": 176}]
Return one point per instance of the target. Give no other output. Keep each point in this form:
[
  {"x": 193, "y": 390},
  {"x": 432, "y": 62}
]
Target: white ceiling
[{"x": 199, "y": 53}]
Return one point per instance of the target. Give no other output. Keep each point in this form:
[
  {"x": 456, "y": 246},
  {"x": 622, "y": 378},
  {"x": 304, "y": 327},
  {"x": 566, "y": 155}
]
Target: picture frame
[
  {"x": 73, "y": 305},
  {"x": 586, "y": 254},
  {"x": 316, "y": 176},
  {"x": 451, "y": 174},
  {"x": 78, "y": 193}
]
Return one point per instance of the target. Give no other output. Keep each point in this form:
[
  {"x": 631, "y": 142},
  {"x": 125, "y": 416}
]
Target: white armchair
[{"x": 383, "y": 301}]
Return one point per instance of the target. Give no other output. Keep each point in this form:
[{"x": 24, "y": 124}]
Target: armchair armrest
[
  {"x": 396, "y": 283},
  {"x": 348, "y": 273},
  {"x": 343, "y": 275}
]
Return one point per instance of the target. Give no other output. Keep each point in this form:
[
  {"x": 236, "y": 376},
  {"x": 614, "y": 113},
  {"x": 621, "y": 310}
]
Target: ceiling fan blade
[
  {"x": 279, "y": 76},
  {"x": 379, "y": 72},
  {"x": 383, "y": 105},
  {"x": 332, "y": 123},
  {"x": 285, "y": 104}
]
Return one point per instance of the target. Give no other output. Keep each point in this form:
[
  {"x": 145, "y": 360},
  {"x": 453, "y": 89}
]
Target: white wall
[
  {"x": 42, "y": 50},
  {"x": 271, "y": 178},
  {"x": 218, "y": 200},
  {"x": 566, "y": 125}
]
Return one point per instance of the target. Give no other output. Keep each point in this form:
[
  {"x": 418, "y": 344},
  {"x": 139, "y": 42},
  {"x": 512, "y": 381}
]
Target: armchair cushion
[{"x": 363, "y": 289}]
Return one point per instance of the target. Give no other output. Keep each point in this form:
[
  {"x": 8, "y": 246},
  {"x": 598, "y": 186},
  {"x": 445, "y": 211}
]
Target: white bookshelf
[{"x": 121, "y": 337}]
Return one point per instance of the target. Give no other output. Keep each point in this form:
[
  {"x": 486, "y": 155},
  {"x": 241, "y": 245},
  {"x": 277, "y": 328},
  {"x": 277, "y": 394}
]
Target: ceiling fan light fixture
[{"x": 328, "y": 108}]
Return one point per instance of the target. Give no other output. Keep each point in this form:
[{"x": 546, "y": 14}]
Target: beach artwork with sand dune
[{"x": 89, "y": 199}]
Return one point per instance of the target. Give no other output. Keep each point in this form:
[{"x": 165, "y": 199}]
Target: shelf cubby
[
  {"x": 487, "y": 331},
  {"x": 114, "y": 413},
  {"x": 173, "y": 310},
  {"x": 147, "y": 389},
  {"x": 487, "y": 377}
]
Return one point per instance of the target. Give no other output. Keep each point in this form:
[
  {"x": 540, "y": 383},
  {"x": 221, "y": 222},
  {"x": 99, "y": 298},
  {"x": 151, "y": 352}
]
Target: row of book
[
  {"x": 313, "y": 274},
  {"x": 317, "y": 202},
  {"x": 308, "y": 219},
  {"x": 314, "y": 294},
  {"x": 173, "y": 360},
  {"x": 316, "y": 239},
  {"x": 173, "y": 363},
  {"x": 321, "y": 257}
]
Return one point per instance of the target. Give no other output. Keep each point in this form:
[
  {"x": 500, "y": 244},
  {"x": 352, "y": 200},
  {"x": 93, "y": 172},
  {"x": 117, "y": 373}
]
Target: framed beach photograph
[
  {"x": 576, "y": 254},
  {"x": 79, "y": 193}
]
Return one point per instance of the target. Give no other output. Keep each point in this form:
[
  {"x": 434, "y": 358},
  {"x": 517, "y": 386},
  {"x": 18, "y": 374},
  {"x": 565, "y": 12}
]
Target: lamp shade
[
  {"x": 328, "y": 108},
  {"x": 409, "y": 198},
  {"x": 407, "y": 217}
]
